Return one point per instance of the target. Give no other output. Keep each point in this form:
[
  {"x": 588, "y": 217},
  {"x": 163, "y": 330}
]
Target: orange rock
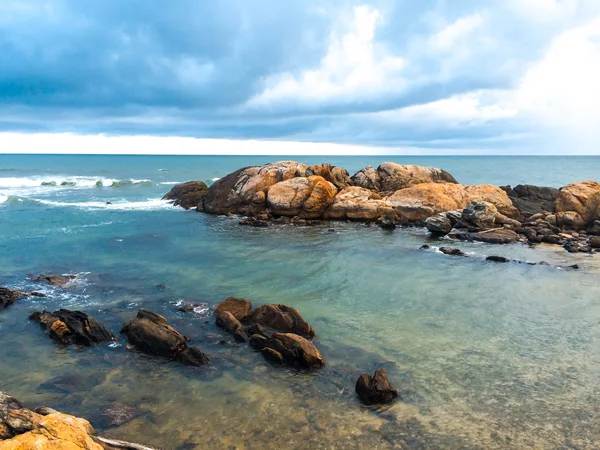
[
  {"x": 304, "y": 352},
  {"x": 303, "y": 197},
  {"x": 357, "y": 203},
  {"x": 419, "y": 202},
  {"x": 582, "y": 197}
]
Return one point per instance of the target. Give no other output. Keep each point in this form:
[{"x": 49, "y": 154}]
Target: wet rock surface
[
  {"x": 283, "y": 318},
  {"x": 73, "y": 327},
  {"x": 9, "y": 296},
  {"x": 55, "y": 279},
  {"x": 150, "y": 333},
  {"x": 187, "y": 195},
  {"x": 375, "y": 389}
]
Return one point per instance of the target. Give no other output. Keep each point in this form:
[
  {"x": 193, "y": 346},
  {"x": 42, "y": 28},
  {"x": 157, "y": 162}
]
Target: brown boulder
[
  {"x": 570, "y": 220},
  {"x": 150, "y": 333},
  {"x": 244, "y": 191},
  {"x": 395, "y": 176},
  {"x": 229, "y": 323},
  {"x": 376, "y": 389},
  {"x": 340, "y": 178},
  {"x": 282, "y": 318},
  {"x": 424, "y": 200},
  {"x": 303, "y": 197},
  {"x": 480, "y": 215},
  {"x": 296, "y": 350},
  {"x": 8, "y": 297},
  {"x": 187, "y": 195},
  {"x": 367, "y": 178},
  {"x": 357, "y": 203},
  {"x": 73, "y": 327},
  {"x": 582, "y": 197},
  {"x": 240, "y": 308}
]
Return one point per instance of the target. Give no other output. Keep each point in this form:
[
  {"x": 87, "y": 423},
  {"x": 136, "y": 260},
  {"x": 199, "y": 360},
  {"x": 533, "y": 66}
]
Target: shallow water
[{"x": 484, "y": 355}]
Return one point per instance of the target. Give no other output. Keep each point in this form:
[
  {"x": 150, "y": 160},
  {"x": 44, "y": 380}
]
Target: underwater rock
[
  {"x": 229, "y": 323},
  {"x": 283, "y": 318},
  {"x": 150, "y": 333},
  {"x": 55, "y": 279},
  {"x": 240, "y": 308},
  {"x": 187, "y": 195},
  {"x": 376, "y": 389},
  {"x": 73, "y": 327}
]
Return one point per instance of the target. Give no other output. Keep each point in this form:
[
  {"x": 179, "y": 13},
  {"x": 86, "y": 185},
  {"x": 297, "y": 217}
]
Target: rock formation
[{"x": 73, "y": 327}]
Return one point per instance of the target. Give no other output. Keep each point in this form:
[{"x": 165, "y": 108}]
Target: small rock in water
[
  {"x": 424, "y": 247},
  {"x": 451, "y": 251},
  {"x": 55, "y": 280},
  {"x": 499, "y": 259},
  {"x": 376, "y": 389}
]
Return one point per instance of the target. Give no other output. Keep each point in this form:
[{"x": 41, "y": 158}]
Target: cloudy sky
[{"x": 416, "y": 76}]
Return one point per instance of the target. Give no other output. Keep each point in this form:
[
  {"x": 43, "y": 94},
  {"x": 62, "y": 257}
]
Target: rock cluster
[
  {"x": 278, "y": 331},
  {"x": 375, "y": 389},
  {"x": 9, "y": 296},
  {"x": 150, "y": 333},
  {"x": 73, "y": 327},
  {"x": 187, "y": 195}
]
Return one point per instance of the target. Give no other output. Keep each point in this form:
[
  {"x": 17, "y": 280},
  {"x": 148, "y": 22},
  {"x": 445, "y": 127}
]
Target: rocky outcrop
[
  {"x": 422, "y": 201},
  {"x": 187, "y": 195},
  {"x": 9, "y": 296},
  {"x": 391, "y": 176},
  {"x": 481, "y": 215},
  {"x": 229, "y": 323},
  {"x": 245, "y": 191},
  {"x": 23, "y": 429},
  {"x": 150, "y": 333},
  {"x": 294, "y": 350},
  {"x": 240, "y": 308},
  {"x": 530, "y": 200},
  {"x": 338, "y": 176},
  {"x": 442, "y": 223},
  {"x": 73, "y": 327},
  {"x": 283, "y": 318},
  {"x": 376, "y": 389},
  {"x": 55, "y": 279},
  {"x": 303, "y": 197},
  {"x": 578, "y": 199},
  {"x": 357, "y": 203}
]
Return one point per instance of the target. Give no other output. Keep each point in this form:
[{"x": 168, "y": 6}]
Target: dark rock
[
  {"x": 8, "y": 297},
  {"x": 296, "y": 350},
  {"x": 376, "y": 389},
  {"x": 272, "y": 355},
  {"x": 256, "y": 328},
  {"x": 500, "y": 259},
  {"x": 240, "y": 308},
  {"x": 439, "y": 225},
  {"x": 150, "y": 333},
  {"x": 481, "y": 215},
  {"x": 451, "y": 251},
  {"x": 424, "y": 247},
  {"x": 258, "y": 341},
  {"x": 594, "y": 242},
  {"x": 229, "y": 323},
  {"x": 192, "y": 356},
  {"x": 55, "y": 280},
  {"x": 187, "y": 195},
  {"x": 282, "y": 318},
  {"x": 388, "y": 221},
  {"x": 73, "y": 327},
  {"x": 531, "y": 200}
]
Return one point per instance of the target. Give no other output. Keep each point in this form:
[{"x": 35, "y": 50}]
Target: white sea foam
[
  {"x": 215, "y": 179},
  {"x": 147, "y": 205},
  {"x": 65, "y": 181},
  {"x": 170, "y": 183}
]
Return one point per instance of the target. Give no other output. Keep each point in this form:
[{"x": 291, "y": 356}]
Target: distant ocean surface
[{"x": 484, "y": 355}]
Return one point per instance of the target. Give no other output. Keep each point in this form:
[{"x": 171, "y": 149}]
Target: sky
[{"x": 306, "y": 76}]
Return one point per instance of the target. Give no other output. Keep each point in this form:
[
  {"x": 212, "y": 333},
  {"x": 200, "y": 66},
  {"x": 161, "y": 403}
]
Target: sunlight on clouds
[
  {"x": 544, "y": 10},
  {"x": 355, "y": 67},
  {"x": 448, "y": 37}
]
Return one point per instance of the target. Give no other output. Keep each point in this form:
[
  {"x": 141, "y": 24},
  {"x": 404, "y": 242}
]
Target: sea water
[{"x": 484, "y": 355}]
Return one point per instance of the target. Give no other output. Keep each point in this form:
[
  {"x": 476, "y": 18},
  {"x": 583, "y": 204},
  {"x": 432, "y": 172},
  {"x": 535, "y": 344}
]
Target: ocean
[{"x": 484, "y": 355}]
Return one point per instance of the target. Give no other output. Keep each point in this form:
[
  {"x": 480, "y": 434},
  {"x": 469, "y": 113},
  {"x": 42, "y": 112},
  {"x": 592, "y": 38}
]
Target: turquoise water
[{"x": 484, "y": 355}]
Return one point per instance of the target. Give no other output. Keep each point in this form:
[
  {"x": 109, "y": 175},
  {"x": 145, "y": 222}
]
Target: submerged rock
[
  {"x": 187, "y": 195},
  {"x": 376, "y": 389},
  {"x": 283, "y": 318},
  {"x": 55, "y": 280},
  {"x": 73, "y": 327},
  {"x": 451, "y": 251},
  {"x": 229, "y": 323},
  {"x": 150, "y": 333}
]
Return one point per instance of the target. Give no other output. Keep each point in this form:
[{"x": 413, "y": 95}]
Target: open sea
[{"x": 485, "y": 356}]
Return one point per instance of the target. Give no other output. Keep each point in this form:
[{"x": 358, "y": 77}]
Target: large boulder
[
  {"x": 23, "y": 429},
  {"x": 375, "y": 389},
  {"x": 367, "y": 178},
  {"x": 583, "y": 198},
  {"x": 440, "y": 224},
  {"x": 419, "y": 202},
  {"x": 391, "y": 176},
  {"x": 240, "y": 308},
  {"x": 283, "y": 318},
  {"x": 303, "y": 197},
  {"x": 244, "y": 191},
  {"x": 187, "y": 195},
  {"x": 531, "y": 200},
  {"x": 73, "y": 327},
  {"x": 357, "y": 203},
  {"x": 479, "y": 214},
  {"x": 150, "y": 333},
  {"x": 294, "y": 350}
]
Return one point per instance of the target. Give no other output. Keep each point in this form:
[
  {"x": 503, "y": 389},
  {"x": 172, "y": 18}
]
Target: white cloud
[
  {"x": 451, "y": 35},
  {"x": 355, "y": 68},
  {"x": 544, "y": 10}
]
